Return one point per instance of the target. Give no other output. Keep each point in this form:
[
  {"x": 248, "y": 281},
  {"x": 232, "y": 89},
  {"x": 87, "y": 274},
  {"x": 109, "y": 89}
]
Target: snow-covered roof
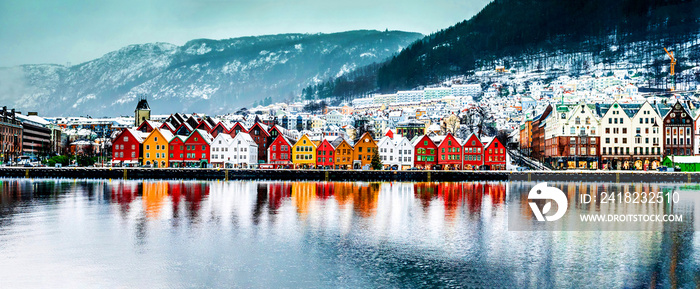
[{"x": 246, "y": 138}]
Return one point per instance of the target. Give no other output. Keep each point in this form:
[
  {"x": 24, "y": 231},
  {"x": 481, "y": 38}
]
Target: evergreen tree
[
  {"x": 505, "y": 30},
  {"x": 376, "y": 162}
]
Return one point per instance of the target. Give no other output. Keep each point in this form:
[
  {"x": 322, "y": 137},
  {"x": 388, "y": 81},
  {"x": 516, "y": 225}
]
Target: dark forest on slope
[{"x": 509, "y": 28}]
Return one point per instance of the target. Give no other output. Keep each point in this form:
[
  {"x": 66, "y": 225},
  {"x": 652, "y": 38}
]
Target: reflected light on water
[{"x": 321, "y": 234}]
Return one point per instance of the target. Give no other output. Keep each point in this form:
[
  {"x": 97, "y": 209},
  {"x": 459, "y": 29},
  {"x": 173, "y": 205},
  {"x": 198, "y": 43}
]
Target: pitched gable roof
[{"x": 203, "y": 133}]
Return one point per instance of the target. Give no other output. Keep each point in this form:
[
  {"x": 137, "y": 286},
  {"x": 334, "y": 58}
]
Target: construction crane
[{"x": 672, "y": 70}]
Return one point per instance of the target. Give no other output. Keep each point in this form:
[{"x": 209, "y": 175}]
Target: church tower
[{"x": 142, "y": 112}]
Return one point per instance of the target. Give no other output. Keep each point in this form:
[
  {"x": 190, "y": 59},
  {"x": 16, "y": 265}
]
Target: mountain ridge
[
  {"x": 204, "y": 75},
  {"x": 509, "y": 32}
]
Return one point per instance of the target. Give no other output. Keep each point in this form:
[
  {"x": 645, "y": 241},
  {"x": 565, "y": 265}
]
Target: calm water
[{"x": 158, "y": 234}]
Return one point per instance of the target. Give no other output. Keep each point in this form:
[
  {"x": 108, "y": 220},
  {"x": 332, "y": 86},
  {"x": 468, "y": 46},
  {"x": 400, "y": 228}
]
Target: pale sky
[{"x": 61, "y": 31}]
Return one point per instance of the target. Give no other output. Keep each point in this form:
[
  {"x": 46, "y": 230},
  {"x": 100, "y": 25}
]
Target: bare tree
[{"x": 450, "y": 124}]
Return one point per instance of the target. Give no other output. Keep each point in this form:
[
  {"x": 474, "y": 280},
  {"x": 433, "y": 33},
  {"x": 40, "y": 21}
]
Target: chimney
[
  {"x": 13, "y": 114},
  {"x": 4, "y": 113},
  {"x": 33, "y": 113}
]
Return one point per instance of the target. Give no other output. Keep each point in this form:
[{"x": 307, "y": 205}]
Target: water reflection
[{"x": 322, "y": 234}]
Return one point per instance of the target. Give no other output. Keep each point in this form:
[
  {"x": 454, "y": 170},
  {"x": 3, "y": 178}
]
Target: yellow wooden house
[
  {"x": 155, "y": 148},
  {"x": 304, "y": 153}
]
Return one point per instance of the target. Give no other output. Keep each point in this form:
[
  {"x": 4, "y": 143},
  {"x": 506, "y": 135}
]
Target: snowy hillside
[{"x": 210, "y": 76}]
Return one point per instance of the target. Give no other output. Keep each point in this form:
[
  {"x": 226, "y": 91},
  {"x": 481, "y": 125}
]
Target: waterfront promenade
[{"x": 347, "y": 175}]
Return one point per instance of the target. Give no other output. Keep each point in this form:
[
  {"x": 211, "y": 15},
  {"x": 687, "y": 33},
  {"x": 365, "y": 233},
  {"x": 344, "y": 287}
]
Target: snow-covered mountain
[{"x": 204, "y": 75}]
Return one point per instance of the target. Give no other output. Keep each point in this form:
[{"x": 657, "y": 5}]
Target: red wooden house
[
  {"x": 205, "y": 124},
  {"x": 169, "y": 126},
  {"x": 126, "y": 147},
  {"x": 237, "y": 128},
  {"x": 262, "y": 138},
  {"x": 148, "y": 126},
  {"x": 176, "y": 152},
  {"x": 280, "y": 153},
  {"x": 219, "y": 128},
  {"x": 173, "y": 122},
  {"x": 473, "y": 153},
  {"x": 185, "y": 129},
  {"x": 197, "y": 149},
  {"x": 495, "y": 155},
  {"x": 449, "y": 153},
  {"x": 277, "y": 130},
  {"x": 425, "y": 152},
  {"x": 325, "y": 154}
]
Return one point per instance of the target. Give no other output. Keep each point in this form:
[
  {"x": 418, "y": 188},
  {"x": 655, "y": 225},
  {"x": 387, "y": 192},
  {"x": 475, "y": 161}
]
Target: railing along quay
[{"x": 347, "y": 175}]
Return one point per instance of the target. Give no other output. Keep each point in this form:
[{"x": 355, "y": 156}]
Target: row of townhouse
[
  {"x": 610, "y": 136},
  {"x": 234, "y": 148},
  {"x": 394, "y": 151}
]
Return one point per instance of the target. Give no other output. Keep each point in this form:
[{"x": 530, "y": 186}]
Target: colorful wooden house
[
  {"x": 450, "y": 153},
  {"x": 363, "y": 151},
  {"x": 262, "y": 138},
  {"x": 304, "y": 153},
  {"x": 425, "y": 152},
  {"x": 221, "y": 151},
  {"x": 473, "y": 153},
  {"x": 236, "y": 129},
  {"x": 176, "y": 151},
  {"x": 206, "y": 124},
  {"x": 147, "y": 126},
  {"x": 280, "y": 153},
  {"x": 325, "y": 154},
  {"x": 126, "y": 147},
  {"x": 220, "y": 127},
  {"x": 155, "y": 148},
  {"x": 245, "y": 151},
  {"x": 197, "y": 149},
  {"x": 184, "y": 129},
  {"x": 343, "y": 153},
  {"x": 495, "y": 155}
]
